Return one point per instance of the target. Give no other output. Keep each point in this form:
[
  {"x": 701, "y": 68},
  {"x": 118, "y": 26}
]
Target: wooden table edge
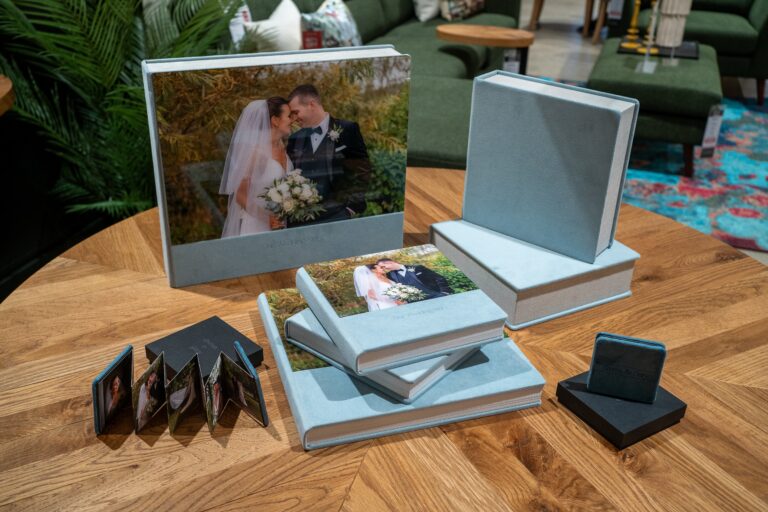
[{"x": 483, "y": 35}]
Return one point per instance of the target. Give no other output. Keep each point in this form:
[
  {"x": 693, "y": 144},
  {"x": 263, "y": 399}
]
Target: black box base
[
  {"x": 622, "y": 422},
  {"x": 206, "y": 339}
]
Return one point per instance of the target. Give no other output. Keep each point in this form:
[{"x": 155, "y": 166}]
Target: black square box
[
  {"x": 622, "y": 422},
  {"x": 206, "y": 339}
]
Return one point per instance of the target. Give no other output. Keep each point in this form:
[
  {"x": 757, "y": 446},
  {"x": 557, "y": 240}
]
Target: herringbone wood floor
[{"x": 708, "y": 302}]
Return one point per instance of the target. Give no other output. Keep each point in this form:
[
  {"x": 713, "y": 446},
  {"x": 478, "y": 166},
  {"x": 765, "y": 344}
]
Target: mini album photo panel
[{"x": 112, "y": 389}]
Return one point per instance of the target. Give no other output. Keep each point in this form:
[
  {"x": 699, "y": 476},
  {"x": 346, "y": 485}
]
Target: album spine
[
  {"x": 283, "y": 365},
  {"x": 380, "y": 387}
]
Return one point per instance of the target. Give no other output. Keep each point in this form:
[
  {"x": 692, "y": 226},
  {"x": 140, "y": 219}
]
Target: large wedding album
[
  {"x": 270, "y": 161},
  {"x": 332, "y": 407}
]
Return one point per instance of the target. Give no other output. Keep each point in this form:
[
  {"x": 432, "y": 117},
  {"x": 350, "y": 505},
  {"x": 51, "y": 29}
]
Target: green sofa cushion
[
  {"x": 475, "y": 57},
  {"x": 415, "y": 28},
  {"x": 427, "y": 58},
  {"x": 740, "y": 7},
  {"x": 438, "y": 126},
  {"x": 490, "y": 18},
  {"x": 682, "y": 130},
  {"x": 730, "y": 34},
  {"x": 758, "y": 15},
  {"x": 369, "y": 17},
  {"x": 688, "y": 89},
  {"x": 397, "y": 11}
]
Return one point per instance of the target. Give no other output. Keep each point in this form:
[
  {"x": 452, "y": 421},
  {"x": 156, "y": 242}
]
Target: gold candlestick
[
  {"x": 631, "y": 40},
  {"x": 649, "y": 39}
]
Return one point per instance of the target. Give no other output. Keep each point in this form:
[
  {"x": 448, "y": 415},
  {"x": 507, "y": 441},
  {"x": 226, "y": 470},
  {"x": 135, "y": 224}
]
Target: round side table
[{"x": 486, "y": 35}]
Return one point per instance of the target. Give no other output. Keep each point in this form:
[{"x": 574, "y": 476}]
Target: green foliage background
[
  {"x": 198, "y": 110},
  {"x": 336, "y": 282},
  {"x": 76, "y": 70},
  {"x": 284, "y": 304}
]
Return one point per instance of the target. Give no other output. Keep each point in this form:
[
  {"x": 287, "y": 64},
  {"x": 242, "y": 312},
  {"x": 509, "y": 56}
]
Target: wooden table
[
  {"x": 705, "y": 300},
  {"x": 488, "y": 35}
]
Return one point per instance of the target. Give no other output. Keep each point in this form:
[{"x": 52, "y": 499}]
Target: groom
[
  {"x": 428, "y": 281},
  {"x": 331, "y": 152}
]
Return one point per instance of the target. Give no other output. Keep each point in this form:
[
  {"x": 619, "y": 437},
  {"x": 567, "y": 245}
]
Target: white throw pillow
[
  {"x": 281, "y": 32},
  {"x": 426, "y": 9}
]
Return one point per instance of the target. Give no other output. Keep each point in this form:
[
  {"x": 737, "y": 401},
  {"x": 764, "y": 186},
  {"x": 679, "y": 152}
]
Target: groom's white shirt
[{"x": 317, "y": 138}]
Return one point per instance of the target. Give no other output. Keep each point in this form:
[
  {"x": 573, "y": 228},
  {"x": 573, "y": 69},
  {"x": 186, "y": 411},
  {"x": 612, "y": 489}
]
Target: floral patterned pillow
[
  {"x": 332, "y": 25},
  {"x": 460, "y": 9}
]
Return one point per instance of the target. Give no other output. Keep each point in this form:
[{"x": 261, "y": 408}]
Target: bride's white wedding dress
[
  {"x": 365, "y": 281},
  {"x": 250, "y": 157},
  {"x": 256, "y": 218}
]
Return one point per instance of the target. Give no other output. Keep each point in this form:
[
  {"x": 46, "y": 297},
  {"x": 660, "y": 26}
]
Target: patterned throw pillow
[
  {"x": 460, "y": 9},
  {"x": 332, "y": 25}
]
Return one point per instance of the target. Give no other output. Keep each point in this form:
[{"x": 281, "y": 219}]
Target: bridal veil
[{"x": 248, "y": 155}]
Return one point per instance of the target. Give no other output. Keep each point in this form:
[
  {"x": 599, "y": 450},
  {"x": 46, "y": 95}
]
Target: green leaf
[{"x": 76, "y": 68}]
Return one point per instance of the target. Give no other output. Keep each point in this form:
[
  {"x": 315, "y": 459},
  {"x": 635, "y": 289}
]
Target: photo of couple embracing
[
  {"x": 292, "y": 163},
  {"x": 257, "y": 150},
  {"x": 388, "y": 283},
  {"x": 364, "y": 284}
]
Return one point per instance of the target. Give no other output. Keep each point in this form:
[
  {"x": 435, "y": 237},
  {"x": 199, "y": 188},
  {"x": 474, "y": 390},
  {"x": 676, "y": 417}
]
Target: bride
[
  {"x": 256, "y": 158},
  {"x": 371, "y": 282}
]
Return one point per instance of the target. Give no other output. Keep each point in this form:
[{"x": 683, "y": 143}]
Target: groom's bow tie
[{"x": 316, "y": 129}]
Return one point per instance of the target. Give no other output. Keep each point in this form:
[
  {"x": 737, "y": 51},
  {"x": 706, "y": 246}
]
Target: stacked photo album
[
  {"x": 546, "y": 164},
  {"x": 388, "y": 342}
]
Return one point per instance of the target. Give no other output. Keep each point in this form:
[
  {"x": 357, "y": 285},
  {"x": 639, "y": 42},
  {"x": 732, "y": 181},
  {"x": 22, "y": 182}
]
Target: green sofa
[
  {"x": 674, "y": 100},
  {"x": 441, "y": 75},
  {"x": 736, "y": 29}
]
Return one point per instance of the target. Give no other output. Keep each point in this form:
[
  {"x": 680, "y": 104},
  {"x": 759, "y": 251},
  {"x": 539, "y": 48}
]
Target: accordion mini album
[{"x": 187, "y": 392}]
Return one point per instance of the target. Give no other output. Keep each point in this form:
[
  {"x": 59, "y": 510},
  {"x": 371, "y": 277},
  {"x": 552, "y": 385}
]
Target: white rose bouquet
[
  {"x": 404, "y": 293},
  {"x": 293, "y": 198}
]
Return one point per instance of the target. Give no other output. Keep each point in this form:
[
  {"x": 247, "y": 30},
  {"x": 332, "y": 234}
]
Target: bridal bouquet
[
  {"x": 293, "y": 198},
  {"x": 404, "y": 293}
]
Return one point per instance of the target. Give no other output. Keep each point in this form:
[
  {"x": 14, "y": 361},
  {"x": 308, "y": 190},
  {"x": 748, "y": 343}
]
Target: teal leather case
[{"x": 624, "y": 367}]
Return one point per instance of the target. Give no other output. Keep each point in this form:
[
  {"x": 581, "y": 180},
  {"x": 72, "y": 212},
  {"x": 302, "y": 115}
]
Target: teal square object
[{"x": 625, "y": 367}]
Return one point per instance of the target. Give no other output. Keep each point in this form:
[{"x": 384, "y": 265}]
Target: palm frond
[
  {"x": 112, "y": 207},
  {"x": 49, "y": 111},
  {"x": 161, "y": 31},
  {"x": 205, "y": 28},
  {"x": 184, "y": 10},
  {"x": 76, "y": 65}
]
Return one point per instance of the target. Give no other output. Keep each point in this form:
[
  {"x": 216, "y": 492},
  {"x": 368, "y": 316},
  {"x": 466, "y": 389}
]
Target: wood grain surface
[
  {"x": 705, "y": 300},
  {"x": 485, "y": 35}
]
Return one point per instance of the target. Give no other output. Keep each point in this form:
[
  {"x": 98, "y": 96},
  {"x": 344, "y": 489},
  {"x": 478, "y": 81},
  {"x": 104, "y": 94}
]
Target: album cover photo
[{"x": 389, "y": 279}]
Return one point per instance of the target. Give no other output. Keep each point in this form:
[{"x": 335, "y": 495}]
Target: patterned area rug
[{"x": 728, "y": 195}]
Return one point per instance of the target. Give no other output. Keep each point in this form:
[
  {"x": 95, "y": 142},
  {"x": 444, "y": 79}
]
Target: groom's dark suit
[
  {"x": 340, "y": 168},
  {"x": 426, "y": 280}
]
